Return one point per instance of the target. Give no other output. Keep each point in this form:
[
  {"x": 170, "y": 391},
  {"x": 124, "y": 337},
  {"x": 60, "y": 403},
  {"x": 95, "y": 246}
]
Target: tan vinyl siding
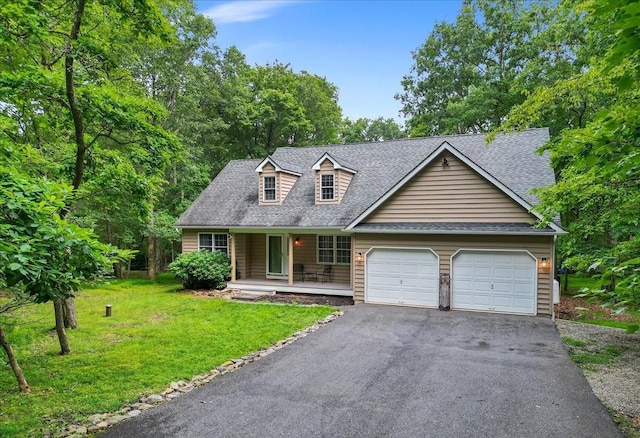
[
  {"x": 325, "y": 168},
  {"x": 268, "y": 170},
  {"x": 305, "y": 253},
  {"x": 446, "y": 246},
  {"x": 190, "y": 237},
  {"x": 453, "y": 193},
  {"x": 343, "y": 179},
  {"x": 240, "y": 241},
  {"x": 257, "y": 256},
  {"x": 286, "y": 181}
]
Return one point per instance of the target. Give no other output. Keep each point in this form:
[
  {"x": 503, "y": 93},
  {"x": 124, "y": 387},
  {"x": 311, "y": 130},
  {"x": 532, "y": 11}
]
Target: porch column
[
  {"x": 290, "y": 259},
  {"x": 233, "y": 257}
]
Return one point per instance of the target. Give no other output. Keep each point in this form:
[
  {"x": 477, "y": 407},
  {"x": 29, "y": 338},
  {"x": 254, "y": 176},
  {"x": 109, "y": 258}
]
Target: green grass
[
  {"x": 600, "y": 358},
  {"x": 156, "y": 335},
  {"x": 578, "y": 282},
  {"x": 574, "y": 342}
]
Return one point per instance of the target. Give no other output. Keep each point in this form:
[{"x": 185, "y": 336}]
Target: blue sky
[{"x": 363, "y": 47}]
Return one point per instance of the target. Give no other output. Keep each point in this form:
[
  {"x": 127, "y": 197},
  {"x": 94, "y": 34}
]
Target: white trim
[
  {"x": 535, "y": 282},
  {"x": 284, "y": 262},
  {"x": 333, "y": 187},
  {"x": 213, "y": 241},
  {"x": 335, "y": 250},
  {"x": 336, "y": 164},
  {"x": 455, "y": 232},
  {"x": 275, "y": 189},
  {"x": 290, "y": 230},
  {"x": 271, "y": 161},
  {"x": 442, "y": 148},
  {"x": 412, "y": 248}
]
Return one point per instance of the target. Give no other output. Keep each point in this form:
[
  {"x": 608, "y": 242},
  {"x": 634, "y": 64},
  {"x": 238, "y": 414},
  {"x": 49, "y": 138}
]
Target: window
[
  {"x": 334, "y": 250},
  {"x": 269, "y": 188},
  {"x": 326, "y": 187},
  {"x": 213, "y": 242}
]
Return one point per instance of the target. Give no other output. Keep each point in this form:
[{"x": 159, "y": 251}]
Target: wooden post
[
  {"x": 233, "y": 257},
  {"x": 290, "y": 259}
]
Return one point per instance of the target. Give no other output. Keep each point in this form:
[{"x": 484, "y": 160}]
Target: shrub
[{"x": 202, "y": 269}]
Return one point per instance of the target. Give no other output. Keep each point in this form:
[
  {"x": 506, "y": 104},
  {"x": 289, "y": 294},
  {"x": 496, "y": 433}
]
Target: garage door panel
[
  {"x": 501, "y": 281},
  {"x": 402, "y": 276}
]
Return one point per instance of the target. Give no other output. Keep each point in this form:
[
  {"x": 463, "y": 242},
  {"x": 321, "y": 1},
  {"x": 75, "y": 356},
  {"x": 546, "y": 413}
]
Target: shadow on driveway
[{"x": 383, "y": 371}]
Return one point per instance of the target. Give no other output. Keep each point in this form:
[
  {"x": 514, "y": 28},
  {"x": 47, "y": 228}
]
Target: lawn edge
[{"x": 100, "y": 422}]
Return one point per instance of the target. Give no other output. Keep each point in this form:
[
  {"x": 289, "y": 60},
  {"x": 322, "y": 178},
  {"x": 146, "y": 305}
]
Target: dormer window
[
  {"x": 327, "y": 187},
  {"x": 269, "y": 187}
]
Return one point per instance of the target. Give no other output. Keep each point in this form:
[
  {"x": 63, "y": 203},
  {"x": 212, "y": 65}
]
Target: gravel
[{"x": 617, "y": 383}]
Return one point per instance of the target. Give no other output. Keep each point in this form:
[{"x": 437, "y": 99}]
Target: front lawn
[{"x": 156, "y": 335}]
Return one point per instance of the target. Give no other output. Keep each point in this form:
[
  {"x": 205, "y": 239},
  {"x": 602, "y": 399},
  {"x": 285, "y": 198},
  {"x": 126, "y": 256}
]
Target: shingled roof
[{"x": 231, "y": 200}]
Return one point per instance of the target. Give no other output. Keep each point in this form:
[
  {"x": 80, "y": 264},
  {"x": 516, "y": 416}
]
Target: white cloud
[{"x": 244, "y": 11}]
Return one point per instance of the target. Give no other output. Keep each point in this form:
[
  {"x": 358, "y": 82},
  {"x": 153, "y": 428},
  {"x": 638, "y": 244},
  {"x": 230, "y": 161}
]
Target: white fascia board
[
  {"x": 453, "y": 151},
  {"x": 336, "y": 165},
  {"x": 270, "y": 160},
  {"x": 289, "y": 230},
  {"x": 457, "y": 232}
]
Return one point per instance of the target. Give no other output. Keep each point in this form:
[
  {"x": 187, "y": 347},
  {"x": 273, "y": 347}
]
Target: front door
[{"x": 276, "y": 256}]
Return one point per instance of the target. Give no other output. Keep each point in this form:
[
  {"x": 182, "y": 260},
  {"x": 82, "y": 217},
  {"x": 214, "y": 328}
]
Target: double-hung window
[
  {"x": 269, "y": 188},
  {"x": 334, "y": 250},
  {"x": 327, "y": 187},
  {"x": 213, "y": 242}
]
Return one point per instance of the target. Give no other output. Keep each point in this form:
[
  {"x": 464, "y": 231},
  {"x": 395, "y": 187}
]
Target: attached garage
[
  {"x": 494, "y": 281},
  {"x": 405, "y": 276}
]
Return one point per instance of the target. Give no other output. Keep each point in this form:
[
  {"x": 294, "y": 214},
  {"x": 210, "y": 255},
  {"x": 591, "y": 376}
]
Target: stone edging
[{"x": 99, "y": 422}]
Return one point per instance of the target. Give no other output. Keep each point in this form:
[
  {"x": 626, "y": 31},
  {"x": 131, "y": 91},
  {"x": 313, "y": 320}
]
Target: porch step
[{"x": 252, "y": 295}]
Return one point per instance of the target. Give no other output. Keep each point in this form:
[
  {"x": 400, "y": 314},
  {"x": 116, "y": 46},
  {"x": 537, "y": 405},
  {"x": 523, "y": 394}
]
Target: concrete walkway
[{"x": 383, "y": 371}]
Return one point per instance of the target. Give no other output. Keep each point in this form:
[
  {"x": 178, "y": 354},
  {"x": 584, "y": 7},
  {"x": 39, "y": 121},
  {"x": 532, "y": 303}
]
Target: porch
[
  {"x": 298, "y": 287},
  {"x": 291, "y": 263}
]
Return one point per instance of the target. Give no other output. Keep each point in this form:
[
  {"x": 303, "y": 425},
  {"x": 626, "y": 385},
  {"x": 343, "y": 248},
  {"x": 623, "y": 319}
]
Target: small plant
[
  {"x": 574, "y": 342},
  {"x": 202, "y": 269}
]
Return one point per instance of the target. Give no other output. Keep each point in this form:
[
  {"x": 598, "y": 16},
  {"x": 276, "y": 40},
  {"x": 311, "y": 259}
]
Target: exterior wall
[
  {"x": 455, "y": 193},
  {"x": 240, "y": 241},
  {"x": 286, "y": 182},
  {"x": 190, "y": 237},
  {"x": 268, "y": 170},
  {"x": 343, "y": 179},
  {"x": 305, "y": 253},
  {"x": 446, "y": 246},
  {"x": 257, "y": 256}
]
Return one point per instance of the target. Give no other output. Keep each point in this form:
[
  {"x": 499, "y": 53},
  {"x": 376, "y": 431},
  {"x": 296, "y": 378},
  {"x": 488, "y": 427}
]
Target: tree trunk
[
  {"x": 69, "y": 313},
  {"x": 58, "y": 305},
  {"x": 22, "y": 383},
  {"x": 151, "y": 257},
  {"x": 117, "y": 270}
]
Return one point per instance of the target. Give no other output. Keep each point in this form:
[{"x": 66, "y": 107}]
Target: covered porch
[{"x": 285, "y": 261}]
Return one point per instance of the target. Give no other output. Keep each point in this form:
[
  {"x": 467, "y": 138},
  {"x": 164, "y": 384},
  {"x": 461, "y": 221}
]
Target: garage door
[
  {"x": 402, "y": 276},
  {"x": 494, "y": 281}
]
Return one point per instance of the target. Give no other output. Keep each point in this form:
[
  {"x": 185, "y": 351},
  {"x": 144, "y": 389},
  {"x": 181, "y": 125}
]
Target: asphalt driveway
[{"x": 383, "y": 371}]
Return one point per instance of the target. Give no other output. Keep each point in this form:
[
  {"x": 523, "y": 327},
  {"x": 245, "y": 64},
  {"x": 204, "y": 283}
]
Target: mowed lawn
[{"x": 156, "y": 334}]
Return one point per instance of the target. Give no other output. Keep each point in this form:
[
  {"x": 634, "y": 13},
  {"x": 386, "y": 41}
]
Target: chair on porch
[
  {"x": 325, "y": 274},
  {"x": 298, "y": 272}
]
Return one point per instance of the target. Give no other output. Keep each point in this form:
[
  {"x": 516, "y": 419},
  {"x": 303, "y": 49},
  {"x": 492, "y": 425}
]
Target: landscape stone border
[{"x": 99, "y": 422}]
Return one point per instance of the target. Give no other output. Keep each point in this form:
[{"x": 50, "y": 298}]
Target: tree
[
  {"x": 467, "y": 75},
  {"x": 367, "y": 130},
  {"x": 64, "y": 79},
  {"x": 598, "y": 191},
  {"x": 42, "y": 257}
]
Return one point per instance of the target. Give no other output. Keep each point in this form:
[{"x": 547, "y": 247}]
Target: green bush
[{"x": 202, "y": 269}]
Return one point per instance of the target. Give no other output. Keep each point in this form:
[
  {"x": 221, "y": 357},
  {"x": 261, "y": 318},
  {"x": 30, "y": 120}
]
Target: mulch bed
[
  {"x": 578, "y": 308},
  {"x": 308, "y": 299}
]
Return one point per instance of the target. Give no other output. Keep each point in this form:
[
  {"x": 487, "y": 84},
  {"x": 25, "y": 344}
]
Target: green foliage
[
  {"x": 155, "y": 336},
  {"x": 574, "y": 342},
  {"x": 40, "y": 253},
  {"x": 468, "y": 75},
  {"x": 367, "y": 130},
  {"x": 202, "y": 269},
  {"x": 599, "y": 358}
]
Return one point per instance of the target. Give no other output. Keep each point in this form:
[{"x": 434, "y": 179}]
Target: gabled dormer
[
  {"x": 331, "y": 180},
  {"x": 274, "y": 182}
]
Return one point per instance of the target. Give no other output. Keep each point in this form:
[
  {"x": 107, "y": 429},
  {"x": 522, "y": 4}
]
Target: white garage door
[
  {"x": 495, "y": 281},
  {"x": 402, "y": 276}
]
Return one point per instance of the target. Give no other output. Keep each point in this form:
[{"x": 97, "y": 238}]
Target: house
[{"x": 391, "y": 222}]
